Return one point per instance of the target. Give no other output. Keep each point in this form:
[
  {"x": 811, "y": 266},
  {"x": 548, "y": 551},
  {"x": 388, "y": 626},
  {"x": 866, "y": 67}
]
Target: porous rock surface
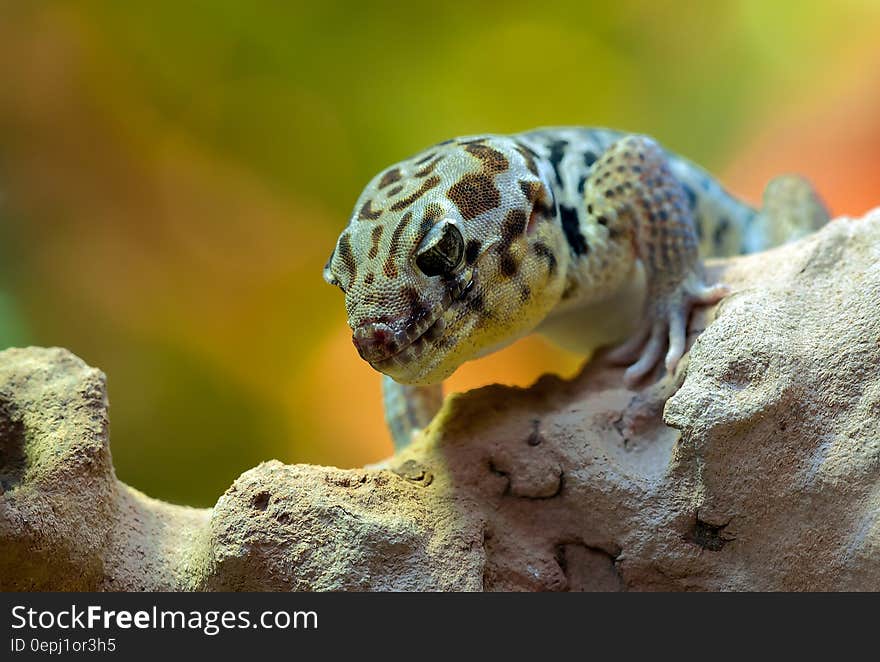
[{"x": 754, "y": 467}]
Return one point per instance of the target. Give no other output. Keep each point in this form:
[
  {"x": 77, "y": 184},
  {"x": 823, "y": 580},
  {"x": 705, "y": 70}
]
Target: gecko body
[{"x": 591, "y": 237}]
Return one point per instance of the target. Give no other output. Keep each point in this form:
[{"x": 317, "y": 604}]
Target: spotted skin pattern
[{"x": 588, "y": 236}]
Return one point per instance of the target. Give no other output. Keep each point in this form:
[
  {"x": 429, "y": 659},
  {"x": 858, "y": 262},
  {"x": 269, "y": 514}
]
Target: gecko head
[{"x": 448, "y": 256}]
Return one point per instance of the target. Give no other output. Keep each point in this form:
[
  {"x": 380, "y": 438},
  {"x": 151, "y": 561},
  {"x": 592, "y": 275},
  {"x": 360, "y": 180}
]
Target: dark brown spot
[
  {"x": 494, "y": 161},
  {"x": 367, "y": 212},
  {"x": 347, "y": 257},
  {"x": 394, "y": 190},
  {"x": 524, "y": 293},
  {"x": 376, "y": 236},
  {"x": 389, "y": 268},
  {"x": 514, "y": 225},
  {"x": 533, "y": 191},
  {"x": 389, "y": 178},
  {"x": 398, "y": 233},
  {"x": 433, "y": 213},
  {"x": 508, "y": 264},
  {"x": 426, "y": 186},
  {"x": 474, "y": 194},
  {"x": 369, "y": 278},
  {"x": 544, "y": 208},
  {"x": 543, "y": 250},
  {"x": 472, "y": 251},
  {"x": 537, "y": 195},
  {"x": 426, "y": 158},
  {"x": 529, "y": 157},
  {"x": 428, "y": 169}
]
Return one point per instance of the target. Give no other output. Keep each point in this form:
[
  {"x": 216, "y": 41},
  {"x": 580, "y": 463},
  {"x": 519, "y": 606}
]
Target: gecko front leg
[
  {"x": 409, "y": 409},
  {"x": 633, "y": 191}
]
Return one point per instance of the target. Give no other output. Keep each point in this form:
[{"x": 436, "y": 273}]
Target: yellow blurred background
[{"x": 173, "y": 175}]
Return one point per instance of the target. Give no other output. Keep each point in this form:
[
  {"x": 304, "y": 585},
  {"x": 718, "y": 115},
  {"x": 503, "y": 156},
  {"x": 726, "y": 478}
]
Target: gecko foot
[{"x": 664, "y": 329}]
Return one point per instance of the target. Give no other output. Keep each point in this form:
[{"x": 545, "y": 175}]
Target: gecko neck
[{"x": 582, "y": 326}]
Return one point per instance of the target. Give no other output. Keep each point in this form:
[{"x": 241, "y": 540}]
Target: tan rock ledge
[{"x": 761, "y": 472}]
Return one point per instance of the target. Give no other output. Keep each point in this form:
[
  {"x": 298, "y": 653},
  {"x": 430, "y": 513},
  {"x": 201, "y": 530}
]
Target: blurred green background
[{"x": 173, "y": 176}]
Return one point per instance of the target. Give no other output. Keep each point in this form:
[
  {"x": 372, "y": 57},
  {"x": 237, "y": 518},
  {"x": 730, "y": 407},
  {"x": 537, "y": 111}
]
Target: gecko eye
[
  {"x": 441, "y": 251},
  {"x": 330, "y": 277}
]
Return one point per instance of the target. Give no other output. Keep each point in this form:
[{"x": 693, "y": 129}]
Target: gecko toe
[
  {"x": 649, "y": 357},
  {"x": 709, "y": 294},
  {"x": 677, "y": 338}
]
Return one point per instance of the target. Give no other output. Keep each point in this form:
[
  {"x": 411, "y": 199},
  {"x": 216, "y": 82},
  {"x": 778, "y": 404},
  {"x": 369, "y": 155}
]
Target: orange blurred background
[{"x": 173, "y": 176}]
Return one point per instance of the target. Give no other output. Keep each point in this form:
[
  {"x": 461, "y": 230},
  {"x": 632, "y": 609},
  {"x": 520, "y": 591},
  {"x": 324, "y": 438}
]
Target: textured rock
[{"x": 759, "y": 473}]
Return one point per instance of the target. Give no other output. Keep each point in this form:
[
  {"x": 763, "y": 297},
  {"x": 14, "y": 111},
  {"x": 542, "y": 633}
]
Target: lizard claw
[{"x": 664, "y": 328}]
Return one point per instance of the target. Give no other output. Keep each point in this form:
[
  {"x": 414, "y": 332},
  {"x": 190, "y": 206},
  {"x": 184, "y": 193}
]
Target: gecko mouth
[{"x": 383, "y": 346}]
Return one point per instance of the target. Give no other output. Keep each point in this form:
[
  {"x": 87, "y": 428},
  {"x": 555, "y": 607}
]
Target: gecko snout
[{"x": 377, "y": 341}]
